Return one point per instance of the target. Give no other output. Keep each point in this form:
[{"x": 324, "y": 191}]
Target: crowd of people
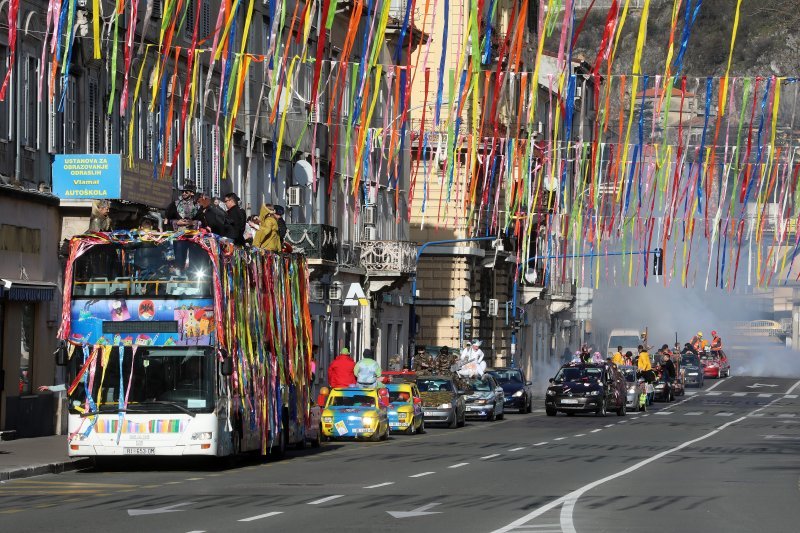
[{"x": 222, "y": 216}]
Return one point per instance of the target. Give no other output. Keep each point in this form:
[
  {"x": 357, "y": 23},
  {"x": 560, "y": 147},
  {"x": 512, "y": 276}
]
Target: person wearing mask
[
  {"x": 182, "y": 211},
  {"x": 100, "y": 221},
  {"x": 235, "y": 219},
  {"x": 210, "y": 216},
  {"x": 643, "y": 364},
  {"x": 716, "y": 342},
  {"x": 267, "y": 235},
  {"x": 367, "y": 371},
  {"x": 340, "y": 371},
  {"x": 617, "y": 358}
]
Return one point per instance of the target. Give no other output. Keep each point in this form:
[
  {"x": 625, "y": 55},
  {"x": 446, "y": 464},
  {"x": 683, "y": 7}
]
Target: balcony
[
  {"x": 388, "y": 263},
  {"x": 319, "y": 242}
]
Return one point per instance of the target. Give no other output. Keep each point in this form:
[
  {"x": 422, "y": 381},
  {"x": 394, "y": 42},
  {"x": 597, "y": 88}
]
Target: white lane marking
[
  {"x": 793, "y": 387},
  {"x": 724, "y": 414},
  {"x": 765, "y": 395},
  {"x": 198, "y": 531},
  {"x": 757, "y": 414},
  {"x": 323, "y": 500},
  {"x": 596, "y": 430},
  {"x": 194, "y": 479},
  {"x": 419, "y": 511},
  {"x": 539, "y": 526},
  {"x": 259, "y": 517},
  {"x": 377, "y": 485},
  {"x": 580, "y": 435},
  {"x": 787, "y": 415},
  {"x": 560, "y": 438},
  {"x": 664, "y": 412},
  {"x": 713, "y": 394},
  {"x": 739, "y": 394},
  {"x": 517, "y": 449},
  {"x": 717, "y": 384},
  {"x": 622, "y": 422},
  {"x": 159, "y": 510},
  {"x": 608, "y": 425},
  {"x": 694, "y": 413},
  {"x": 644, "y": 415},
  {"x": 568, "y": 501},
  {"x": 690, "y": 392},
  {"x": 792, "y": 396},
  {"x": 491, "y": 456},
  {"x": 459, "y": 465},
  {"x": 422, "y": 474},
  {"x": 541, "y": 443}
]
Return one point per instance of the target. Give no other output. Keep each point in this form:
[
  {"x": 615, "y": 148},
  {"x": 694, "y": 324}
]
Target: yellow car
[
  {"x": 405, "y": 408},
  {"x": 355, "y": 413}
]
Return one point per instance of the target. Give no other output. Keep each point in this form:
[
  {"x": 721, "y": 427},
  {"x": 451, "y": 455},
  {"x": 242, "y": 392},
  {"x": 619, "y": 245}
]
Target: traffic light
[{"x": 658, "y": 262}]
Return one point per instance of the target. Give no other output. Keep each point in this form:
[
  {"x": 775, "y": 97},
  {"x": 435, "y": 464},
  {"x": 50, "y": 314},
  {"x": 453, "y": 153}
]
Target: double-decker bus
[{"x": 177, "y": 344}]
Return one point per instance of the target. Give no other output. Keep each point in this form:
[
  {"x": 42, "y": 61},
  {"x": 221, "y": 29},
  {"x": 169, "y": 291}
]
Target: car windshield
[
  {"x": 434, "y": 385},
  {"x": 355, "y": 400},
  {"x": 508, "y": 376},
  {"x": 399, "y": 396},
  {"x": 690, "y": 359},
  {"x": 480, "y": 385},
  {"x": 576, "y": 373},
  {"x": 626, "y": 341},
  {"x": 629, "y": 373}
]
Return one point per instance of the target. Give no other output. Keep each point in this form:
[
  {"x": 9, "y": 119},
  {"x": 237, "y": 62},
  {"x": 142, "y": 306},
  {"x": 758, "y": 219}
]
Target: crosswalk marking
[
  {"x": 664, "y": 412},
  {"x": 739, "y": 394},
  {"x": 724, "y": 414},
  {"x": 714, "y": 393},
  {"x": 790, "y": 396},
  {"x": 694, "y": 413},
  {"x": 764, "y": 395},
  {"x": 787, "y": 415}
]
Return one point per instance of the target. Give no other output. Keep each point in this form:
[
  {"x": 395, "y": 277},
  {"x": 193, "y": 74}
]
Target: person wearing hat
[
  {"x": 209, "y": 216},
  {"x": 698, "y": 343},
  {"x": 716, "y": 342},
  {"x": 341, "y": 370},
  {"x": 182, "y": 211},
  {"x": 267, "y": 236},
  {"x": 472, "y": 363},
  {"x": 279, "y": 211},
  {"x": 235, "y": 219}
]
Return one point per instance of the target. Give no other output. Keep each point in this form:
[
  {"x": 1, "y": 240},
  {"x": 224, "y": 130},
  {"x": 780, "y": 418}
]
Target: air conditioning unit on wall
[
  {"x": 369, "y": 214},
  {"x": 370, "y": 233},
  {"x": 493, "y": 307},
  {"x": 295, "y": 196}
]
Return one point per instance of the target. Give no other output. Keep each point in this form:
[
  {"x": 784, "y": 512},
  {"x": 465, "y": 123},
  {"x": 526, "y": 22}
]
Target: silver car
[
  {"x": 485, "y": 399},
  {"x": 633, "y": 386}
]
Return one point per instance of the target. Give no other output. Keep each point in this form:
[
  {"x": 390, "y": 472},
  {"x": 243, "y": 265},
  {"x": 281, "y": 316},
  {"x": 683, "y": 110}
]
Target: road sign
[{"x": 462, "y": 307}]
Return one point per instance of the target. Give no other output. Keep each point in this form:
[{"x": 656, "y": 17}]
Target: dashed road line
[
  {"x": 458, "y": 465},
  {"x": 790, "y": 396},
  {"x": 377, "y": 485},
  {"x": 259, "y": 517},
  {"x": 541, "y": 443},
  {"x": 560, "y": 438},
  {"x": 765, "y": 395},
  {"x": 422, "y": 474},
  {"x": 327, "y": 499},
  {"x": 491, "y": 456},
  {"x": 713, "y": 394},
  {"x": 724, "y": 414},
  {"x": 580, "y": 435},
  {"x": 596, "y": 430},
  {"x": 693, "y": 413},
  {"x": 739, "y": 394},
  {"x": 787, "y": 415},
  {"x": 608, "y": 425},
  {"x": 517, "y": 449},
  {"x": 665, "y": 412}
]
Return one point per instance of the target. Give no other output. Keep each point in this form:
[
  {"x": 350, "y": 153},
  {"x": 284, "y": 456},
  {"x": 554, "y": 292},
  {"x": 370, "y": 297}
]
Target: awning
[{"x": 23, "y": 290}]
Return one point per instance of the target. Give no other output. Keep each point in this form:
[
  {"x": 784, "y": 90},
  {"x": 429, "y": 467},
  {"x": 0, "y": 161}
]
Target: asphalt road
[{"x": 721, "y": 459}]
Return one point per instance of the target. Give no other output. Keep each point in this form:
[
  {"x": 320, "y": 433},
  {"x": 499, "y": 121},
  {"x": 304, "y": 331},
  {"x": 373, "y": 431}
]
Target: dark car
[
  {"x": 586, "y": 388},
  {"x": 441, "y": 401},
  {"x": 692, "y": 370},
  {"x": 485, "y": 399},
  {"x": 517, "y": 391}
]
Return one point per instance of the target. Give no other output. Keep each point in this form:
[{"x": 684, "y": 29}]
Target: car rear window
[{"x": 434, "y": 385}]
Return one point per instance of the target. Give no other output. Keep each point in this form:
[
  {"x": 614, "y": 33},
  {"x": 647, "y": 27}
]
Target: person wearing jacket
[
  {"x": 100, "y": 221},
  {"x": 367, "y": 371},
  {"x": 235, "y": 219},
  {"x": 267, "y": 236},
  {"x": 716, "y": 342},
  {"x": 618, "y": 358},
  {"x": 340, "y": 371},
  {"x": 643, "y": 364}
]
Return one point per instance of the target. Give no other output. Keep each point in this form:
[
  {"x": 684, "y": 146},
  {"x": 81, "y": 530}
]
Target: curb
[{"x": 50, "y": 468}]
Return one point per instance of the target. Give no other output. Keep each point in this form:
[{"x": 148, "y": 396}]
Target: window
[
  {"x": 27, "y": 319},
  {"x": 30, "y": 103},
  {"x": 64, "y": 123},
  {"x": 205, "y": 19}
]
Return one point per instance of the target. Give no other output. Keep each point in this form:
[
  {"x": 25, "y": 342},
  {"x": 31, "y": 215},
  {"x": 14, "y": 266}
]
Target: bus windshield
[
  {"x": 162, "y": 380},
  {"x": 170, "y": 268}
]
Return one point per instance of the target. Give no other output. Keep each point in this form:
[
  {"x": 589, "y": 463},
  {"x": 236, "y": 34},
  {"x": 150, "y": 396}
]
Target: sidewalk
[{"x": 34, "y": 457}]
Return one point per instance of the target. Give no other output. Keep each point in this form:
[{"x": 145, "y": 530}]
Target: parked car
[
  {"x": 405, "y": 408},
  {"x": 635, "y": 387},
  {"x": 692, "y": 370},
  {"x": 586, "y": 388},
  {"x": 486, "y": 399},
  {"x": 355, "y": 413},
  {"x": 716, "y": 365},
  {"x": 517, "y": 391},
  {"x": 441, "y": 401}
]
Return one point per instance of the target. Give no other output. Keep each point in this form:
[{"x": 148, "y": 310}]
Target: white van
[{"x": 629, "y": 339}]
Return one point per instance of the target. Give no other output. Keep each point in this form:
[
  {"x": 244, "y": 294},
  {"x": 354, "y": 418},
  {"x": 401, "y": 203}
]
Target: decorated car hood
[{"x": 435, "y": 399}]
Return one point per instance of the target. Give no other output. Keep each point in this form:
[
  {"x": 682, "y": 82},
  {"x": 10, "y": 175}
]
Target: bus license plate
[{"x": 139, "y": 451}]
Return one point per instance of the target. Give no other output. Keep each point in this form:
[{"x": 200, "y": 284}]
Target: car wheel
[
  {"x": 463, "y": 421},
  {"x": 530, "y": 404},
  {"x": 492, "y": 417},
  {"x": 412, "y": 428},
  {"x": 385, "y": 435},
  {"x": 421, "y": 427},
  {"x": 601, "y": 411},
  {"x": 454, "y": 423},
  {"x": 622, "y": 410},
  {"x": 550, "y": 412},
  {"x": 502, "y": 414}
]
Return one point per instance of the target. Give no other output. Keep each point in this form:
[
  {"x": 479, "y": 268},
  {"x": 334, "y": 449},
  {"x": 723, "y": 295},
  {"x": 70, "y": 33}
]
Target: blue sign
[{"x": 87, "y": 176}]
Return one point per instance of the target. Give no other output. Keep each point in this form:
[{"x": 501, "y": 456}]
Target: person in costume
[
  {"x": 472, "y": 363},
  {"x": 340, "y": 371},
  {"x": 367, "y": 371}
]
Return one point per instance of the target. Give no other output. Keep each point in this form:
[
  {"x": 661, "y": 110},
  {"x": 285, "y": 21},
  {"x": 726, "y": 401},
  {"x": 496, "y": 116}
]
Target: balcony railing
[
  {"x": 389, "y": 256},
  {"x": 317, "y": 241}
]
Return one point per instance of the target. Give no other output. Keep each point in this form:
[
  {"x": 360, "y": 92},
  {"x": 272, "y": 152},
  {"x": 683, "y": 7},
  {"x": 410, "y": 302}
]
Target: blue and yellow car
[
  {"x": 355, "y": 413},
  {"x": 405, "y": 408}
]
